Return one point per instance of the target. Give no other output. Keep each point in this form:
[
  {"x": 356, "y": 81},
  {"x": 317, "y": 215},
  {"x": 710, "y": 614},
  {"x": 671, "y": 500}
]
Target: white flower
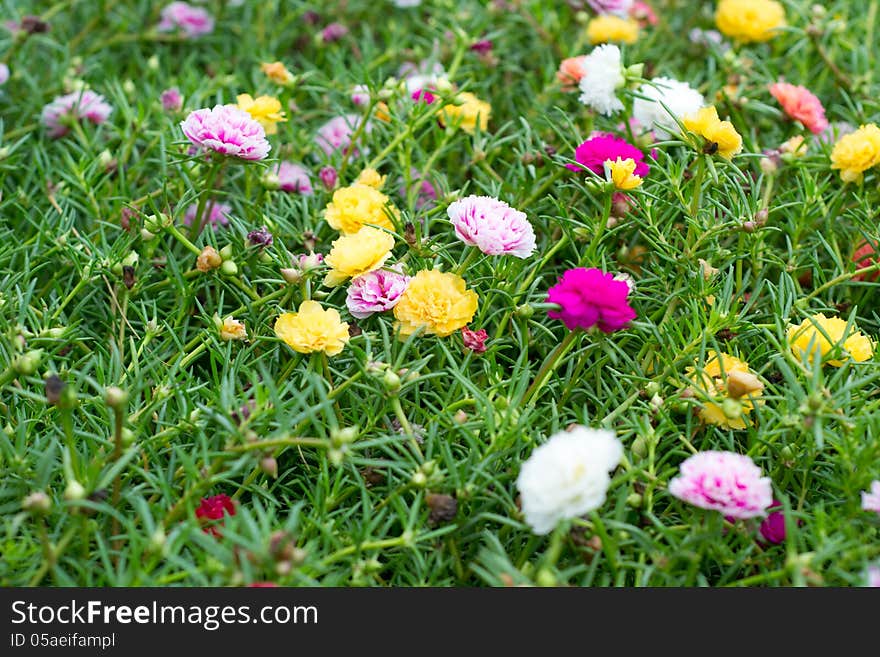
[
  {"x": 604, "y": 75},
  {"x": 567, "y": 476},
  {"x": 679, "y": 97}
]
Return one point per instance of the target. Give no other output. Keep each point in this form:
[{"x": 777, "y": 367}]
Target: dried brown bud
[
  {"x": 443, "y": 508},
  {"x": 208, "y": 259}
]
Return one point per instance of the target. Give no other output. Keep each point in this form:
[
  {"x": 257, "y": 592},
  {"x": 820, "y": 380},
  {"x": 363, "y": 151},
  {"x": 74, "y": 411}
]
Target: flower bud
[
  {"x": 157, "y": 541},
  {"x": 340, "y": 437},
  {"x": 228, "y": 268},
  {"x": 28, "y": 362},
  {"x": 115, "y": 398},
  {"x": 525, "y": 311},
  {"x": 545, "y": 577},
  {"x": 37, "y": 503},
  {"x": 292, "y": 275},
  {"x": 391, "y": 381},
  {"x": 74, "y": 491},
  {"x": 269, "y": 465},
  {"x": 270, "y": 181}
]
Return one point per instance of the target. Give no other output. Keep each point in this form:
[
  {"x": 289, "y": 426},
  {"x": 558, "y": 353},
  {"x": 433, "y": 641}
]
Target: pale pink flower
[
  {"x": 61, "y": 112},
  {"x": 726, "y": 482},
  {"x": 375, "y": 292},
  {"x": 193, "y": 21},
  {"x": 360, "y": 95},
  {"x": 4, "y": 73},
  {"x": 617, "y": 7},
  {"x": 492, "y": 226},
  {"x": 172, "y": 101},
  {"x": 227, "y": 130},
  {"x": 336, "y": 133},
  {"x": 294, "y": 178},
  {"x": 217, "y": 215},
  {"x": 873, "y": 577},
  {"x": 801, "y": 105},
  {"x": 871, "y": 501}
]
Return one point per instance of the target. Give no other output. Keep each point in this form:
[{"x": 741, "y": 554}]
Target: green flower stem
[
  {"x": 52, "y": 559},
  {"x": 196, "y": 226},
  {"x": 407, "y": 427},
  {"x": 550, "y": 364},
  {"x": 398, "y": 541},
  {"x": 842, "y": 279},
  {"x": 698, "y": 188},
  {"x": 472, "y": 255},
  {"x": 180, "y": 237},
  {"x": 600, "y": 231},
  {"x": 117, "y": 480}
]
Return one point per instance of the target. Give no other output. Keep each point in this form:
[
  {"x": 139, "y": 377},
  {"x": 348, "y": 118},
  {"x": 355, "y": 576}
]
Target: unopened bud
[
  {"x": 340, "y": 437},
  {"x": 269, "y": 466},
  {"x": 115, "y": 398},
  {"x": 228, "y": 268},
  {"x": 28, "y": 362},
  {"x": 74, "y": 491},
  {"x": 37, "y": 502},
  {"x": 391, "y": 381},
  {"x": 292, "y": 275}
]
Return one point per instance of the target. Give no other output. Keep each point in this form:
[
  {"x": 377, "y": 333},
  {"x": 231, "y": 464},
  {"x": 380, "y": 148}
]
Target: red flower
[
  {"x": 865, "y": 256},
  {"x": 214, "y": 508},
  {"x": 262, "y": 585},
  {"x": 474, "y": 340}
]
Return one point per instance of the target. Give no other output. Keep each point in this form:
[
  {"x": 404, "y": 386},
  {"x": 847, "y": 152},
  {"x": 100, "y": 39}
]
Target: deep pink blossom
[
  {"x": 474, "y": 340},
  {"x": 61, "y": 112},
  {"x": 213, "y": 509},
  {"x": 726, "y": 482},
  {"x": 801, "y": 105},
  {"x": 328, "y": 177},
  {"x": 227, "y": 130},
  {"x": 591, "y": 297},
  {"x": 217, "y": 215},
  {"x": 334, "y": 32},
  {"x": 772, "y": 529},
  {"x": 193, "y": 21},
  {"x": 492, "y": 226},
  {"x": 294, "y": 178},
  {"x": 598, "y": 149},
  {"x": 643, "y": 14},
  {"x": 423, "y": 96},
  {"x": 481, "y": 47},
  {"x": 871, "y": 500},
  {"x": 375, "y": 292}
]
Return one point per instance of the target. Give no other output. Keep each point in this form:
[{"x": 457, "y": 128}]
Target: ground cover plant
[{"x": 508, "y": 292}]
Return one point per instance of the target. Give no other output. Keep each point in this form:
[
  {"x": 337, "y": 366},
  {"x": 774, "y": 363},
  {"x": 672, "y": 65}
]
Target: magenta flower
[
  {"x": 218, "y": 215},
  {"x": 58, "y": 115},
  {"x": 474, "y": 340},
  {"x": 227, "y": 130},
  {"x": 726, "y": 482},
  {"x": 492, "y": 226},
  {"x": 172, "y": 101},
  {"x": 375, "y": 292},
  {"x": 590, "y": 297},
  {"x": 213, "y": 509},
  {"x": 871, "y": 501},
  {"x": 481, "y": 47},
  {"x": 598, "y": 149},
  {"x": 772, "y": 529},
  {"x": 328, "y": 177},
  {"x": 423, "y": 96},
  {"x": 193, "y": 21},
  {"x": 260, "y": 238},
  {"x": 334, "y": 32},
  {"x": 336, "y": 133},
  {"x": 294, "y": 178}
]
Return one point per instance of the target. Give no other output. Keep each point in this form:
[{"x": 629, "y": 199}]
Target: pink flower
[
  {"x": 871, "y": 501},
  {"x": 617, "y": 7},
  {"x": 726, "y": 482},
  {"x": 873, "y": 577},
  {"x": 4, "y": 73},
  {"x": 294, "y": 178},
  {"x": 800, "y": 105},
  {"x": 218, "y": 215},
  {"x": 598, "y": 149},
  {"x": 227, "y": 130},
  {"x": 423, "y": 95},
  {"x": 492, "y": 226},
  {"x": 591, "y": 297},
  {"x": 214, "y": 508},
  {"x": 336, "y": 133},
  {"x": 772, "y": 529},
  {"x": 375, "y": 292},
  {"x": 61, "y": 112},
  {"x": 172, "y": 101},
  {"x": 474, "y": 340},
  {"x": 481, "y": 47},
  {"x": 643, "y": 13},
  {"x": 194, "y": 21},
  {"x": 334, "y": 32},
  {"x": 360, "y": 95},
  {"x": 328, "y": 177}
]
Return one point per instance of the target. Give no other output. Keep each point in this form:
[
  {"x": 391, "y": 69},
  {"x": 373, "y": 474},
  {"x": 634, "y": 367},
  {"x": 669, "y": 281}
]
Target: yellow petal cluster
[
  {"x": 857, "y": 152},
  {"x": 357, "y": 205},
  {"x": 440, "y": 302},
  {"x": 721, "y": 137},
  {"x": 749, "y": 20},
  {"x": 277, "y": 72},
  {"x": 820, "y": 334},
  {"x": 265, "y": 110},
  {"x": 610, "y": 28},
  {"x": 466, "y": 113},
  {"x": 312, "y": 329},
  {"x": 357, "y": 253},
  {"x": 728, "y": 388},
  {"x": 622, "y": 174}
]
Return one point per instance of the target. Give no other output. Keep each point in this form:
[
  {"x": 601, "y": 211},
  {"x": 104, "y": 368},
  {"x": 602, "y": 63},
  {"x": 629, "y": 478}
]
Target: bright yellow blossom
[
  {"x": 312, "y": 329},
  {"x": 264, "y": 109},
  {"x": 467, "y": 113},
  {"x": 728, "y": 389},
  {"x": 437, "y": 301},
  {"x": 749, "y": 20},
  {"x": 372, "y": 178},
  {"x": 357, "y": 253},
  {"x": 608, "y": 27},
  {"x": 721, "y": 137},
  {"x": 857, "y": 152},
  {"x": 358, "y": 205},
  {"x": 822, "y": 334},
  {"x": 622, "y": 173}
]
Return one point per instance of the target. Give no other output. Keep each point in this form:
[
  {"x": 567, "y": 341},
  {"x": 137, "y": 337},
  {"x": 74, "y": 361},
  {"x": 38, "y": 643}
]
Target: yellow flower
[
  {"x": 608, "y": 27},
  {"x": 437, "y": 301},
  {"x": 749, "y": 20},
  {"x": 232, "y": 329},
  {"x": 621, "y": 172},
  {"x": 357, "y": 253},
  {"x": 822, "y": 334},
  {"x": 312, "y": 329},
  {"x": 728, "y": 388},
  {"x": 372, "y": 178},
  {"x": 857, "y": 152},
  {"x": 467, "y": 113},
  {"x": 794, "y": 147},
  {"x": 721, "y": 137},
  {"x": 357, "y": 205},
  {"x": 277, "y": 72},
  {"x": 382, "y": 112},
  {"x": 264, "y": 109}
]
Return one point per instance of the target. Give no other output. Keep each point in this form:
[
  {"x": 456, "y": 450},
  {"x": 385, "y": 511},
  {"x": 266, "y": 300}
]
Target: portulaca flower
[
  {"x": 567, "y": 476},
  {"x": 492, "y": 226},
  {"x": 679, "y": 97},
  {"x": 603, "y": 76}
]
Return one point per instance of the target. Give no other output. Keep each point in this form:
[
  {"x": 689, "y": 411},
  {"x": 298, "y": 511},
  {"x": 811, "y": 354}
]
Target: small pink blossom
[
  {"x": 873, "y": 578},
  {"x": 591, "y": 297},
  {"x": 360, "y": 95},
  {"x": 801, "y": 105},
  {"x": 294, "y": 178},
  {"x": 335, "y": 135},
  {"x": 492, "y": 226},
  {"x": 333, "y": 32},
  {"x": 726, "y": 482},
  {"x": 643, "y": 13},
  {"x": 474, "y": 340},
  {"x": 375, "y": 292},
  {"x": 772, "y": 529},
  {"x": 871, "y": 501},
  {"x": 328, "y": 177},
  {"x": 61, "y": 112},
  {"x": 193, "y": 21},
  {"x": 217, "y": 215},
  {"x": 481, "y": 47},
  {"x": 4, "y": 73},
  {"x": 600, "y": 148},
  {"x": 172, "y": 101},
  {"x": 617, "y": 7},
  {"x": 423, "y": 95},
  {"x": 227, "y": 130}
]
